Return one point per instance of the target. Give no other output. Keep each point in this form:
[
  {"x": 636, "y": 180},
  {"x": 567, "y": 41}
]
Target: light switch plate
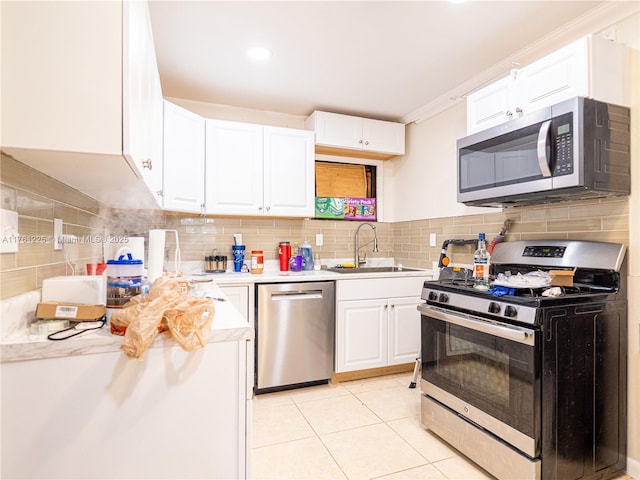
[
  {"x": 432, "y": 240},
  {"x": 319, "y": 239},
  {"x": 9, "y": 224}
]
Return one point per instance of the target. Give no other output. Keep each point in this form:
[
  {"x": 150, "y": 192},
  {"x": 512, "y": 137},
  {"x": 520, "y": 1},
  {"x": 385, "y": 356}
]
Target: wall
[{"x": 39, "y": 199}]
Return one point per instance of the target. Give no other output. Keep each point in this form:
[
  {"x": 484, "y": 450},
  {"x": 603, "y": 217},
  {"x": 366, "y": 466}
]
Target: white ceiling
[{"x": 381, "y": 59}]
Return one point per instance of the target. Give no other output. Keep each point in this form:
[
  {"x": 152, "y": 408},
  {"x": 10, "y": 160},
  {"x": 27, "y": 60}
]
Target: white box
[{"x": 84, "y": 289}]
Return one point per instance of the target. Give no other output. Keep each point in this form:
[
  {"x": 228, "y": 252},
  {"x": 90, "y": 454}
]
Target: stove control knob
[
  {"x": 510, "y": 311},
  {"x": 433, "y": 296},
  {"x": 443, "y": 298},
  {"x": 494, "y": 307}
]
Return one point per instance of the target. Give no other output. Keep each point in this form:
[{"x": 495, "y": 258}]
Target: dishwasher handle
[{"x": 296, "y": 295}]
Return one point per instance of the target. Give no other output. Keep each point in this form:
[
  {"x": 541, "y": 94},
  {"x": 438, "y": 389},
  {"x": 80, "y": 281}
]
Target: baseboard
[
  {"x": 633, "y": 468},
  {"x": 372, "y": 372}
]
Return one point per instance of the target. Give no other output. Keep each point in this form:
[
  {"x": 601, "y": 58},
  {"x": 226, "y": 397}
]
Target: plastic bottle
[
  {"x": 307, "y": 256},
  {"x": 481, "y": 264}
]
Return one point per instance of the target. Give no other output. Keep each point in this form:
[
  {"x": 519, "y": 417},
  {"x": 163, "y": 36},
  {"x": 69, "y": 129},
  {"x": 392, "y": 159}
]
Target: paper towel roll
[{"x": 155, "y": 264}]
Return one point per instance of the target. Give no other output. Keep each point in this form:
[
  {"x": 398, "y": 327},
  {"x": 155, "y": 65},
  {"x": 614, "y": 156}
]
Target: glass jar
[{"x": 257, "y": 261}]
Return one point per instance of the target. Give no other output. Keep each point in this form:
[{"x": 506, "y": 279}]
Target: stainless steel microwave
[{"x": 579, "y": 148}]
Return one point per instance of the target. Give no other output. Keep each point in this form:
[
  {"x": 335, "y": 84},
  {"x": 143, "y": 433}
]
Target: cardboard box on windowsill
[{"x": 562, "y": 278}]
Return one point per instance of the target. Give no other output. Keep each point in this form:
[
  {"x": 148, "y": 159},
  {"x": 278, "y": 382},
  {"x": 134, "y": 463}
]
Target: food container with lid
[{"x": 124, "y": 280}]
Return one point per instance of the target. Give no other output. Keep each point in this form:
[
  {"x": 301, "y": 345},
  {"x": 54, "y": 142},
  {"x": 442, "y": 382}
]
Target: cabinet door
[
  {"x": 62, "y": 76},
  {"x": 234, "y": 170},
  {"x": 336, "y": 130},
  {"x": 289, "y": 172},
  {"x": 404, "y": 330},
  {"x": 559, "y": 76},
  {"x": 152, "y": 171},
  {"x": 361, "y": 335},
  {"x": 491, "y": 105},
  {"x": 183, "y": 159},
  {"x": 381, "y": 136},
  {"x": 238, "y": 295}
]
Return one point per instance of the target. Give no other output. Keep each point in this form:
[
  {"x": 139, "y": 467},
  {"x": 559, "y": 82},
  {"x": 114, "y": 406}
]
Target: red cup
[
  {"x": 96, "y": 268},
  {"x": 284, "y": 254}
]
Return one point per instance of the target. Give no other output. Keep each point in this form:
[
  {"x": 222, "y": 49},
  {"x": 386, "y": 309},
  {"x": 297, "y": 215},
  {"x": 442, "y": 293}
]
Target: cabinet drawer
[{"x": 363, "y": 289}]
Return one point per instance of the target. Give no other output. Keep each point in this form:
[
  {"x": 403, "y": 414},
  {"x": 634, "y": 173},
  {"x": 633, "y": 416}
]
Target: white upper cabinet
[
  {"x": 259, "y": 170},
  {"x": 234, "y": 170},
  {"x": 142, "y": 97},
  {"x": 77, "y": 83},
  {"x": 346, "y": 135},
  {"x": 590, "y": 67},
  {"x": 289, "y": 172},
  {"x": 184, "y": 156}
]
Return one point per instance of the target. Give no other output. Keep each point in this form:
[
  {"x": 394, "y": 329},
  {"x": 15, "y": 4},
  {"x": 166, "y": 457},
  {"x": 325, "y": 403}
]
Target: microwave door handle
[{"x": 543, "y": 161}]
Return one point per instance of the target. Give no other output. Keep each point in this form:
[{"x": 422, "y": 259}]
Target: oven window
[
  {"x": 495, "y": 375},
  {"x": 473, "y": 367}
]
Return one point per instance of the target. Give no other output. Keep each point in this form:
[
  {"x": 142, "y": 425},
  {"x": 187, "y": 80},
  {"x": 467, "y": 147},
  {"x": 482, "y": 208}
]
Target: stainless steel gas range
[{"x": 531, "y": 382}]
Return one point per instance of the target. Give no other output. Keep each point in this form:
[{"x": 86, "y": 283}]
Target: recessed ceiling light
[{"x": 258, "y": 53}]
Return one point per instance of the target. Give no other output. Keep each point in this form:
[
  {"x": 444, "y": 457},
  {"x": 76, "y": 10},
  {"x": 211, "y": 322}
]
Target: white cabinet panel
[
  {"x": 77, "y": 83},
  {"x": 590, "y": 67},
  {"x": 381, "y": 136},
  {"x": 184, "y": 149},
  {"x": 404, "y": 330},
  {"x": 289, "y": 172},
  {"x": 234, "y": 168},
  {"x": 193, "y": 406},
  {"x": 333, "y": 129},
  {"x": 378, "y": 323},
  {"x": 361, "y": 335},
  {"x": 356, "y": 136},
  {"x": 259, "y": 170}
]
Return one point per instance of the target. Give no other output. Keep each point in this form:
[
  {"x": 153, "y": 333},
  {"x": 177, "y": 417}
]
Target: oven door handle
[{"x": 517, "y": 334}]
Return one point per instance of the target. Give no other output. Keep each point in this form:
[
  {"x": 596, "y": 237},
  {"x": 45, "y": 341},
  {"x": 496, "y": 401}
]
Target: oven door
[{"x": 486, "y": 372}]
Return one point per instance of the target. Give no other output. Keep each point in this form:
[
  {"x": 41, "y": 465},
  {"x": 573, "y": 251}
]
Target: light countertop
[{"x": 227, "y": 325}]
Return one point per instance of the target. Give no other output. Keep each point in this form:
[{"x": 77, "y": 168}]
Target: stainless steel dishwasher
[{"x": 295, "y": 334}]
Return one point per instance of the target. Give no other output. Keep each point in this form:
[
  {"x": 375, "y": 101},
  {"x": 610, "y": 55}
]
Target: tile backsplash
[{"x": 39, "y": 199}]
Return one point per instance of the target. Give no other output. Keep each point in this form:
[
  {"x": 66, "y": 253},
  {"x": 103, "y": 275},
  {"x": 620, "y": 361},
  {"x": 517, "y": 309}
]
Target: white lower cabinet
[
  {"x": 377, "y": 322},
  {"x": 174, "y": 415},
  {"x": 241, "y": 296}
]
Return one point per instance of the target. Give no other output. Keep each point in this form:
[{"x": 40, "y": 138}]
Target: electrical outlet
[
  {"x": 432, "y": 240},
  {"x": 319, "y": 239},
  {"x": 57, "y": 234}
]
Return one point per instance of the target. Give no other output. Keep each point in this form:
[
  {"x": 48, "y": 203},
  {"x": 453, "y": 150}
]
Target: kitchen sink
[{"x": 372, "y": 269}]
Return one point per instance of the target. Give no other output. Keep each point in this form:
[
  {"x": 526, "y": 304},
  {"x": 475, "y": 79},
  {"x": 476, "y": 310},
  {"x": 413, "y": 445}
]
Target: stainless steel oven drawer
[{"x": 494, "y": 456}]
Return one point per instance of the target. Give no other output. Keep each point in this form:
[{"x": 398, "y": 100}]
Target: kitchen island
[{"x": 81, "y": 409}]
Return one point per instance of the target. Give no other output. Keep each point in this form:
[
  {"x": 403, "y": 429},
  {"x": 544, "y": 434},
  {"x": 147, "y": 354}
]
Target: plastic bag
[
  {"x": 190, "y": 322},
  {"x": 165, "y": 307}
]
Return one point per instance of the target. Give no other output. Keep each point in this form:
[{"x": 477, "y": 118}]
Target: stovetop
[{"x": 521, "y": 305}]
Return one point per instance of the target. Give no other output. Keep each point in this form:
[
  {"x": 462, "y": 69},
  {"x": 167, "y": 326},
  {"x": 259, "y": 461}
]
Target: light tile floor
[{"x": 365, "y": 429}]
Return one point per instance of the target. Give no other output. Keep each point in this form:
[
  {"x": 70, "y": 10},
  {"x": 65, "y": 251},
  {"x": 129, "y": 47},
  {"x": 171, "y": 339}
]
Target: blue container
[{"x": 238, "y": 257}]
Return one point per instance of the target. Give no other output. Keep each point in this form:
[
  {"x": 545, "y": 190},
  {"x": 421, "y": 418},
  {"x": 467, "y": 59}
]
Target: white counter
[{"x": 227, "y": 325}]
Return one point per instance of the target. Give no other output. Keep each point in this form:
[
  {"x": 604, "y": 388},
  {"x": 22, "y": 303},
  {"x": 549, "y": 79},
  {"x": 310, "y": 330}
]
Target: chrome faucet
[{"x": 359, "y": 262}]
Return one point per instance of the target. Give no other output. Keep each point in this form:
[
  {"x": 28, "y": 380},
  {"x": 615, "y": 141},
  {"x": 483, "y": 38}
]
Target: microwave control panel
[{"x": 563, "y": 129}]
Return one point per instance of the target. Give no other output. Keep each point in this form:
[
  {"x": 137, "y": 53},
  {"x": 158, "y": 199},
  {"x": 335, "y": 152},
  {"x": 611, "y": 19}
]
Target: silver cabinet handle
[
  {"x": 360, "y": 141},
  {"x": 147, "y": 164},
  {"x": 519, "y": 111},
  {"x": 509, "y": 114},
  {"x": 366, "y": 143}
]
